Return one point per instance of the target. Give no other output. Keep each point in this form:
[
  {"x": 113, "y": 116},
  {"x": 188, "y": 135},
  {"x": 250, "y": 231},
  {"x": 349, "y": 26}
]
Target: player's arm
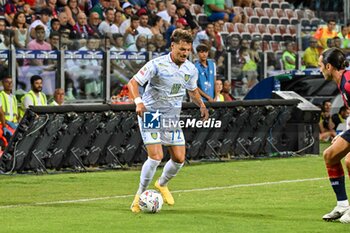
[
  {"x": 197, "y": 99},
  {"x": 133, "y": 87}
]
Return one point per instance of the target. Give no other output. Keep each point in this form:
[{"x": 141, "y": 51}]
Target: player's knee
[
  {"x": 179, "y": 159},
  {"x": 328, "y": 156}
]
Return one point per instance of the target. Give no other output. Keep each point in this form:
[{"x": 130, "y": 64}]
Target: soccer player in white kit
[{"x": 168, "y": 78}]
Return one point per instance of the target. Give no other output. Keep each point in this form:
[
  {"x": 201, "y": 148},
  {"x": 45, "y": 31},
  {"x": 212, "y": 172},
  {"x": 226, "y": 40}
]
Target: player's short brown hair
[{"x": 181, "y": 35}]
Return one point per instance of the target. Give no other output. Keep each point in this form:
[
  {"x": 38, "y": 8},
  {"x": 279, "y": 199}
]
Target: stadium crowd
[{"x": 242, "y": 28}]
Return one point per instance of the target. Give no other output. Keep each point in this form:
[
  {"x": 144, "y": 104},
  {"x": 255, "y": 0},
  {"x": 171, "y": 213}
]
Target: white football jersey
[{"x": 167, "y": 83}]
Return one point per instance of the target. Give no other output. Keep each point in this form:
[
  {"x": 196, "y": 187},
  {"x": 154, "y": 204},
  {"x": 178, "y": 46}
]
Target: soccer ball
[{"x": 151, "y": 201}]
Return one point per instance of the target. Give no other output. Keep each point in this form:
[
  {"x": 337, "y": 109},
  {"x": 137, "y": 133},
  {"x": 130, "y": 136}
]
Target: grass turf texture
[{"x": 285, "y": 207}]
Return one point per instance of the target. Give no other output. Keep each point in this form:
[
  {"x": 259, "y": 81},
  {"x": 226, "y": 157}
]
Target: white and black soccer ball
[{"x": 151, "y": 201}]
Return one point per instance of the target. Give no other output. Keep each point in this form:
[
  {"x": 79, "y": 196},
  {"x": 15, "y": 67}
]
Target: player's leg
[
  {"x": 332, "y": 156},
  {"x": 346, "y": 216},
  {"x": 149, "y": 168},
  {"x": 171, "y": 168}
]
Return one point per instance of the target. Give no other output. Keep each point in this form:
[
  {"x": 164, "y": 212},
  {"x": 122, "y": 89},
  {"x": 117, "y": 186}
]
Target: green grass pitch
[{"x": 271, "y": 195}]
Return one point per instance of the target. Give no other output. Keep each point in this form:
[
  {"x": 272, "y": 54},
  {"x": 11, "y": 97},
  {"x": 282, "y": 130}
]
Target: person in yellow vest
[
  {"x": 58, "y": 97},
  {"x": 289, "y": 57},
  {"x": 34, "y": 97},
  {"x": 311, "y": 54},
  {"x": 218, "y": 88},
  {"x": 8, "y": 111},
  {"x": 324, "y": 33}
]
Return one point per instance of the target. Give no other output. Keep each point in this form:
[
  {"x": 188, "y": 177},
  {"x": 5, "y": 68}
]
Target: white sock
[
  {"x": 170, "y": 170},
  {"x": 344, "y": 203},
  {"x": 148, "y": 170}
]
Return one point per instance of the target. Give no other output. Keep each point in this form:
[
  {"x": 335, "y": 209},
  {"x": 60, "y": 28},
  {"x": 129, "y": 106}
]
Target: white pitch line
[{"x": 175, "y": 191}]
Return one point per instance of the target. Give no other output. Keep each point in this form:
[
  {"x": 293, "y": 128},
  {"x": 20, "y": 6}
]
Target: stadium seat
[
  {"x": 309, "y": 14},
  {"x": 279, "y": 12},
  {"x": 305, "y": 22},
  {"x": 265, "y": 5},
  {"x": 277, "y": 37},
  {"x": 251, "y": 28},
  {"x": 256, "y": 36},
  {"x": 294, "y": 21},
  {"x": 249, "y": 11},
  {"x": 259, "y": 12},
  {"x": 239, "y": 27},
  {"x": 269, "y": 12},
  {"x": 246, "y": 36},
  {"x": 284, "y": 21},
  {"x": 285, "y": 5},
  {"x": 271, "y": 28},
  {"x": 292, "y": 29},
  {"x": 266, "y": 37},
  {"x": 234, "y": 34},
  {"x": 282, "y": 29},
  {"x": 238, "y": 9},
  {"x": 315, "y": 22},
  {"x": 254, "y": 19},
  {"x": 287, "y": 37},
  {"x": 274, "y": 20},
  {"x": 229, "y": 27},
  {"x": 264, "y": 20},
  {"x": 202, "y": 20},
  {"x": 274, "y": 5},
  {"x": 224, "y": 35},
  {"x": 300, "y": 14},
  {"x": 257, "y": 4},
  {"x": 261, "y": 28},
  {"x": 290, "y": 13}
]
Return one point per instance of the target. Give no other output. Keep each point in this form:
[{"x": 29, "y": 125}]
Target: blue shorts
[{"x": 215, "y": 16}]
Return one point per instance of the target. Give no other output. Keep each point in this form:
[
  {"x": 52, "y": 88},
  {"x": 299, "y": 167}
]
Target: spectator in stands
[
  {"x": 216, "y": 10},
  {"x": 43, "y": 21},
  {"x": 52, "y": 5},
  {"x": 327, "y": 131},
  {"x": 58, "y": 97},
  {"x": 218, "y": 88},
  {"x": 160, "y": 6},
  {"x": 255, "y": 46},
  {"x": 138, "y": 4},
  {"x": 157, "y": 25},
  {"x": 324, "y": 33},
  {"x": 343, "y": 35},
  {"x": 38, "y": 44},
  {"x": 10, "y": 10},
  {"x": 289, "y": 57},
  {"x": 118, "y": 18},
  {"x": 28, "y": 13},
  {"x": 226, "y": 91},
  {"x": 131, "y": 33},
  {"x": 159, "y": 42},
  {"x": 180, "y": 23},
  {"x": 151, "y": 8},
  {"x": 63, "y": 18},
  {"x": 100, "y": 7},
  {"x": 337, "y": 42},
  {"x": 340, "y": 117},
  {"x": 183, "y": 11},
  {"x": 205, "y": 36},
  {"x": 249, "y": 68},
  {"x": 35, "y": 96},
  {"x": 118, "y": 42},
  {"x": 94, "y": 21},
  {"x": 140, "y": 45},
  {"x": 20, "y": 29},
  {"x": 206, "y": 73},
  {"x": 54, "y": 40},
  {"x": 144, "y": 28},
  {"x": 72, "y": 10},
  {"x": 66, "y": 43},
  {"x": 81, "y": 29},
  {"x": 167, "y": 14},
  {"x": 218, "y": 42},
  {"x": 128, "y": 12},
  {"x": 55, "y": 25},
  {"x": 330, "y": 43},
  {"x": 311, "y": 54},
  {"x": 107, "y": 27},
  {"x": 115, "y": 4}
]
